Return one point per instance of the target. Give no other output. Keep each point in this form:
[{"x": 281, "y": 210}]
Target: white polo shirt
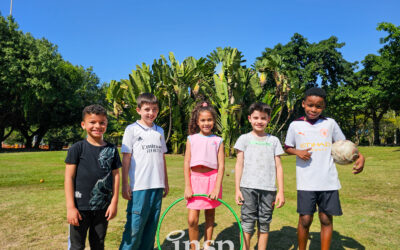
[
  {"x": 147, "y": 146},
  {"x": 319, "y": 173}
]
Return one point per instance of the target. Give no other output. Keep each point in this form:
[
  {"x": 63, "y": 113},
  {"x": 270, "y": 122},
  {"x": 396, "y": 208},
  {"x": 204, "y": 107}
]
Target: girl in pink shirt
[{"x": 204, "y": 170}]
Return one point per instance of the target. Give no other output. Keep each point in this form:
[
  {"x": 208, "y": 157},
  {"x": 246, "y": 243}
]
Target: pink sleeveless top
[{"x": 204, "y": 150}]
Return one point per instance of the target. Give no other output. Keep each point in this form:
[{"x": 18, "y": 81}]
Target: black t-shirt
[{"x": 93, "y": 181}]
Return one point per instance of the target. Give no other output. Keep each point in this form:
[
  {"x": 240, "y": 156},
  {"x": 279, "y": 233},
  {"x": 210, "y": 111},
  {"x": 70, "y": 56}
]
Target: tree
[{"x": 40, "y": 90}]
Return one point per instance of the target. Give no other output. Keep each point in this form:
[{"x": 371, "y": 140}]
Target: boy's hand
[
  {"x": 188, "y": 193},
  {"x": 73, "y": 216},
  {"x": 359, "y": 165},
  {"x": 214, "y": 194},
  {"x": 111, "y": 211},
  {"x": 304, "y": 154},
  {"x": 239, "y": 198},
  {"x": 126, "y": 192},
  {"x": 166, "y": 190},
  {"x": 279, "y": 200}
]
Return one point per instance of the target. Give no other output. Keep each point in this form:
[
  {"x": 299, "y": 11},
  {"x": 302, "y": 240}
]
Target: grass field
[{"x": 33, "y": 214}]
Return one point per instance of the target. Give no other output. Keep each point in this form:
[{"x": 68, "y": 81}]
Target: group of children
[{"x": 92, "y": 174}]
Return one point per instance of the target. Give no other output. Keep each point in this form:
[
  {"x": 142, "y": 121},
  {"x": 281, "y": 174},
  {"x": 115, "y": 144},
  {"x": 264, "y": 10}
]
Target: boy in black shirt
[{"x": 91, "y": 182}]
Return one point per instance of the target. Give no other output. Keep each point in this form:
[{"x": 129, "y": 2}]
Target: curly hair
[{"x": 201, "y": 107}]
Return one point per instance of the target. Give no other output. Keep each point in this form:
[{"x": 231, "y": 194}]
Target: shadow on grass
[
  {"x": 283, "y": 239},
  {"x": 230, "y": 233},
  {"x": 286, "y": 238}
]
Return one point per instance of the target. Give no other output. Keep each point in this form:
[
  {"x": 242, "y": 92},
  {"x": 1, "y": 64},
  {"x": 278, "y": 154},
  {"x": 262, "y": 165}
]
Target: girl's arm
[
  {"x": 221, "y": 169},
  {"x": 113, "y": 207},
  {"x": 166, "y": 189},
  {"x": 73, "y": 215},
  {"x": 238, "y": 176},
  {"x": 186, "y": 171},
  {"x": 280, "y": 198}
]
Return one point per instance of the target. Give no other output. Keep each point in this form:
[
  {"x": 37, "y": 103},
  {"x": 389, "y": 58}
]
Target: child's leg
[
  {"x": 306, "y": 207},
  {"x": 303, "y": 230},
  {"x": 98, "y": 229},
  {"x": 150, "y": 228},
  {"x": 265, "y": 209},
  {"x": 193, "y": 222},
  {"x": 246, "y": 243},
  {"x": 262, "y": 240},
  {"x": 210, "y": 218},
  {"x": 326, "y": 230},
  {"x": 249, "y": 213},
  {"x": 137, "y": 214},
  {"x": 77, "y": 234}
]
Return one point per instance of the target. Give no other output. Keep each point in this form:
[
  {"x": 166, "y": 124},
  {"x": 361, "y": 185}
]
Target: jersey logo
[
  {"x": 301, "y": 133},
  {"x": 78, "y": 195},
  {"x": 140, "y": 139},
  {"x": 323, "y": 132}
]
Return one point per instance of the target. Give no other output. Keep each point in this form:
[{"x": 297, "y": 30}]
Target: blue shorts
[
  {"x": 327, "y": 201},
  {"x": 142, "y": 216}
]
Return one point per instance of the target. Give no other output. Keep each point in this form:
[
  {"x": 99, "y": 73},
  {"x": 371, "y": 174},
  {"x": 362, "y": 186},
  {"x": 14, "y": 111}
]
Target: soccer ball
[{"x": 344, "y": 152}]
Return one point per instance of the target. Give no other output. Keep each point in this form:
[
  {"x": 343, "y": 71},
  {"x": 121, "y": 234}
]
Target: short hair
[
  {"x": 261, "y": 107},
  {"x": 94, "y": 109},
  {"x": 146, "y": 98},
  {"x": 315, "y": 91}
]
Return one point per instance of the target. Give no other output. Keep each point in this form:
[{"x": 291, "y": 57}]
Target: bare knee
[
  {"x": 326, "y": 220},
  {"x": 305, "y": 221},
  {"x": 193, "y": 221}
]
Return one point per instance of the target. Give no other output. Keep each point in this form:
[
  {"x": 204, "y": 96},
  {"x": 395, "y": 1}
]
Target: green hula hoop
[{"x": 204, "y": 195}]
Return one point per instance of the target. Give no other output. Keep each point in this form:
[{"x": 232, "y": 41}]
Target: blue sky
[{"x": 115, "y": 36}]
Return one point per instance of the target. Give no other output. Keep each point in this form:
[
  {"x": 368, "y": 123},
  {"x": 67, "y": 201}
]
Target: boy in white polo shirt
[
  {"x": 310, "y": 138},
  {"x": 143, "y": 160}
]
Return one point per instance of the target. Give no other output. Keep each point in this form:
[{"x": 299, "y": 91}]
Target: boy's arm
[
  {"x": 280, "y": 197},
  {"x": 302, "y": 154},
  {"x": 359, "y": 164},
  {"x": 221, "y": 169},
  {"x": 166, "y": 189},
  {"x": 186, "y": 171},
  {"x": 73, "y": 215},
  {"x": 113, "y": 207},
  {"x": 126, "y": 164},
  {"x": 238, "y": 176}
]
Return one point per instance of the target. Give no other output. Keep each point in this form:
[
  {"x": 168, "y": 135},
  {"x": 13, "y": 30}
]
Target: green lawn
[{"x": 33, "y": 214}]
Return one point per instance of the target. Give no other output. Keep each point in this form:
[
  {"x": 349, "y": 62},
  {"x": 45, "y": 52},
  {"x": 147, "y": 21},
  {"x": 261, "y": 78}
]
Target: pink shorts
[{"x": 203, "y": 183}]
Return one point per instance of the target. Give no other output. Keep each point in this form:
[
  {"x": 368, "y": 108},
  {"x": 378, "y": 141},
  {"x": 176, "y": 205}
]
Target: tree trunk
[
  {"x": 4, "y": 136},
  {"x": 41, "y": 133},
  {"x": 376, "y": 122}
]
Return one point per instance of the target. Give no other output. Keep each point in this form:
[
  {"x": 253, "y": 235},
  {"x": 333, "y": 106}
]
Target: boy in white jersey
[
  {"x": 143, "y": 148},
  {"x": 310, "y": 138}
]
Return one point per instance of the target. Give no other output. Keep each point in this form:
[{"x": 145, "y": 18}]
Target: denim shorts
[{"x": 257, "y": 207}]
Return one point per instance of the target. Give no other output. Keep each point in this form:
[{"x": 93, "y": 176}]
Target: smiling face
[
  {"x": 258, "y": 121},
  {"x": 148, "y": 113},
  {"x": 205, "y": 122},
  {"x": 313, "y": 106},
  {"x": 95, "y": 126}
]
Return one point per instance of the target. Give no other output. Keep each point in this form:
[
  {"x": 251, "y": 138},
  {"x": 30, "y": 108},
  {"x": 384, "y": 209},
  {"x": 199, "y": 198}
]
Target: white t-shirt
[
  {"x": 147, "y": 146},
  {"x": 319, "y": 173},
  {"x": 259, "y": 170}
]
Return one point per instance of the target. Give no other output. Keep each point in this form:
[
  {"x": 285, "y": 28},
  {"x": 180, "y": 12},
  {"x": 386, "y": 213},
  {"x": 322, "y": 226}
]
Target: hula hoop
[{"x": 196, "y": 195}]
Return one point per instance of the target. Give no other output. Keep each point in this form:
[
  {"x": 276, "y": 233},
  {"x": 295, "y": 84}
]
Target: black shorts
[
  {"x": 93, "y": 221},
  {"x": 328, "y": 202}
]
